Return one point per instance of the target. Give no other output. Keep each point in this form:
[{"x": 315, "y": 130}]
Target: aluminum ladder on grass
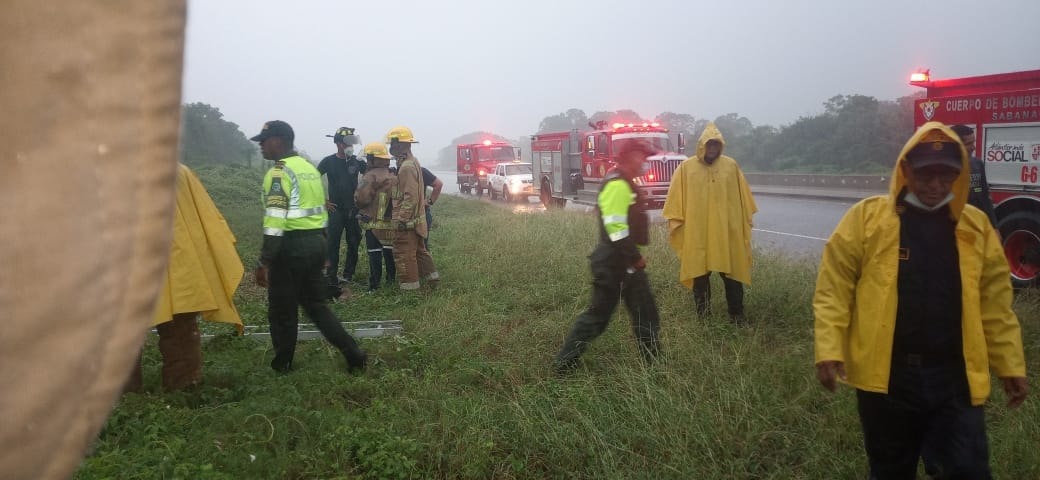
[
  {"x": 306, "y": 331},
  {"x": 369, "y": 329}
]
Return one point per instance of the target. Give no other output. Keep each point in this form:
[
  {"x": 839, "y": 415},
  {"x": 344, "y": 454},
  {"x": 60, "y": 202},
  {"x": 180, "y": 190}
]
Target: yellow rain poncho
[
  {"x": 709, "y": 209},
  {"x": 204, "y": 268},
  {"x": 857, "y": 289}
]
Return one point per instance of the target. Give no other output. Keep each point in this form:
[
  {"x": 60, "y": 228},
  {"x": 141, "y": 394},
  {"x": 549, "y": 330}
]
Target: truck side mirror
[{"x": 682, "y": 142}]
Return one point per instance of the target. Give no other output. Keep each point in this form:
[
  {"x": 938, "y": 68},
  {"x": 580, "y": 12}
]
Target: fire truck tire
[
  {"x": 1020, "y": 232},
  {"x": 545, "y": 195},
  {"x": 465, "y": 190}
]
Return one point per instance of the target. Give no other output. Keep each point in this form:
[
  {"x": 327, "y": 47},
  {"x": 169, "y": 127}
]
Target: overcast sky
[{"x": 450, "y": 67}]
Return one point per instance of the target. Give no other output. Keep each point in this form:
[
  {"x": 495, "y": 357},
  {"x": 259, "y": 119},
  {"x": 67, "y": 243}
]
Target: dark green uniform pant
[
  {"x": 297, "y": 280},
  {"x": 609, "y": 284}
]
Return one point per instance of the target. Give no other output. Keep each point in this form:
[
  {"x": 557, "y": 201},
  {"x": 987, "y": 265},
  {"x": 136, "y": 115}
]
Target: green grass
[{"x": 467, "y": 391}]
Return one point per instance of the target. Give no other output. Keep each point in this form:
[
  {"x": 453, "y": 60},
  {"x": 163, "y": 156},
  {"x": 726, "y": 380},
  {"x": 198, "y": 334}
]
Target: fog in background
[{"x": 453, "y": 67}]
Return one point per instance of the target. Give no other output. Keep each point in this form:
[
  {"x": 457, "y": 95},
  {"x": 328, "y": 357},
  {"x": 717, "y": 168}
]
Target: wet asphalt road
[{"x": 799, "y": 227}]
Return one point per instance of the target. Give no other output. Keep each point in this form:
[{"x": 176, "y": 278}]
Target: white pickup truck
[{"x": 512, "y": 181}]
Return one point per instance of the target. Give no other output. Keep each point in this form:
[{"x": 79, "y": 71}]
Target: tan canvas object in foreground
[{"x": 91, "y": 103}]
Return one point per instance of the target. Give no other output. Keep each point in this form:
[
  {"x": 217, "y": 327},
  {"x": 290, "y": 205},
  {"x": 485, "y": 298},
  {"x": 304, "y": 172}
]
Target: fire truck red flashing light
[
  {"x": 920, "y": 78},
  {"x": 475, "y": 160}
]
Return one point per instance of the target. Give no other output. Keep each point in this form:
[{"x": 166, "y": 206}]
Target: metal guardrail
[{"x": 875, "y": 183}]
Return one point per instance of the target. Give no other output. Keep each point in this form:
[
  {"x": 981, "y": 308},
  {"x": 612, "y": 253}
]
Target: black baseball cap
[
  {"x": 936, "y": 148},
  {"x": 274, "y": 128}
]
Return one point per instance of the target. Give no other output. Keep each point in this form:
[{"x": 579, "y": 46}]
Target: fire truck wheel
[
  {"x": 465, "y": 190},
  {"x": 545, "y": 195},
  {"x": 1020, "y": 232}
]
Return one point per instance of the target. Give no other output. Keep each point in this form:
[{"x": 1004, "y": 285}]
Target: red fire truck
[
  {"x": 572, "y": 164},
  {"x": 476, "y": 160},
  {"x": 1004, "y": 111}
]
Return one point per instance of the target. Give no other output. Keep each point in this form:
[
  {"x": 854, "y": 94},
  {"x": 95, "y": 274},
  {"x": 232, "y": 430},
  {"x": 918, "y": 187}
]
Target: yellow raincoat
[
  {"x": 709, "y": 209},
  {"x": 204, "y": 268},
  {"x": 857, "y": 289}
]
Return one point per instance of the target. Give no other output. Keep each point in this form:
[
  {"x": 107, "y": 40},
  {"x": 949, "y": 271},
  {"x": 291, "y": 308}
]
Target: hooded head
[
  {"x": 711, "y": 134},
  {"x": 933, "y": 164}
]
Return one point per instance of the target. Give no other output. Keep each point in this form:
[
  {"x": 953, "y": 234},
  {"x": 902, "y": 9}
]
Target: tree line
[
  {"x": 853, "y": 134},
  {"x": 208, "y": 138}
]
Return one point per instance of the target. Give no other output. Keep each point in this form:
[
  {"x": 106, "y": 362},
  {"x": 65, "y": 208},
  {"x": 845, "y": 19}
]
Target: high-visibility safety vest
[
  {"x": 622, "y": 210},
  {"x": 294, "y": 198}
]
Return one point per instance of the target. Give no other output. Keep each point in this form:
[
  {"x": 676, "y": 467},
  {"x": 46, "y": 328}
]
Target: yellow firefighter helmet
[
  {"x": 401, "y": 134},
  {"x": 377, "y": 150}
]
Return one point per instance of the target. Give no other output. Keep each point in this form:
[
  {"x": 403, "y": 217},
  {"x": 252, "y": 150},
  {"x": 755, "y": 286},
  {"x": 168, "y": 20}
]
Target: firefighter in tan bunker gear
[
  {"x": 409, "y": 216},
  {"x": 373, "y": 201}
]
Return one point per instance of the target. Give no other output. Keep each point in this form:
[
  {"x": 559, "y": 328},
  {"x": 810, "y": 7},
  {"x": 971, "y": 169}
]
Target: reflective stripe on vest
[
  {"x": 380, "y": 222},
  {"x": 618, "y": 235},
  {"x": 294, "y": 192},
  {"x": 304, "y": 212},
  {"x": 293, "y": 212}
]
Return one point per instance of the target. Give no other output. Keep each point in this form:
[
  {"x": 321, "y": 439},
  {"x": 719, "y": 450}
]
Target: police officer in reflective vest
[
  {"x": 373, "y": 199},
  {"x": 618, "y": 267},
  {"x": 293, "y": 253}
]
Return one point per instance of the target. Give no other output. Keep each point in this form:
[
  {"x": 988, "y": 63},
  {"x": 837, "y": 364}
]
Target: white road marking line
[{"x": 790, "y": 234}]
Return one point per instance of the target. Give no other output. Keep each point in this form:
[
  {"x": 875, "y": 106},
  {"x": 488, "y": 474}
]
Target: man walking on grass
[
  {"x": 618, "y": 267},
  {"x": 293, "y": 253}
]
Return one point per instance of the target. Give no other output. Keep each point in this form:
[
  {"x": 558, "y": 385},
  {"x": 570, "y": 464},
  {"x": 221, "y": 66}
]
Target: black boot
[
  {"x": 702, "y": 294},
  {"x": 735, "y": 300},
  {"x": 375, "y": 269}
]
